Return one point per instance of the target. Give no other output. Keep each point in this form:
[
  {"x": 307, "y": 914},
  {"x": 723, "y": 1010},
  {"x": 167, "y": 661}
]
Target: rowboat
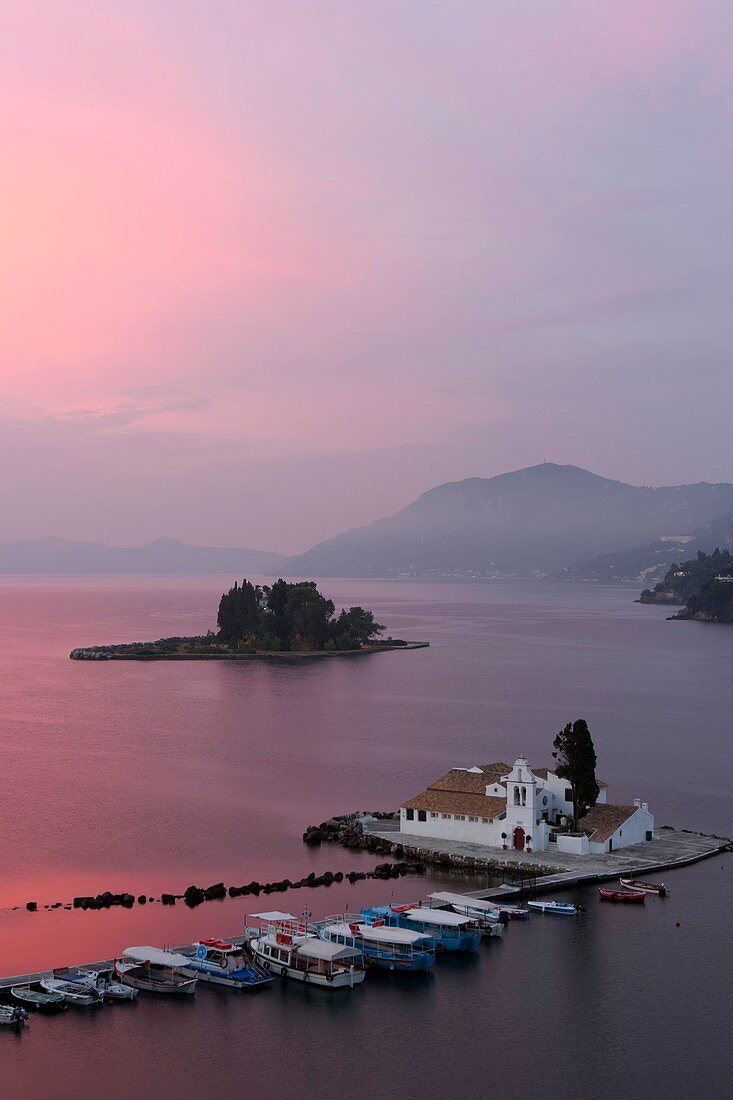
[
  {"x": 37, "y": 998},
  {"x": 646, "y": 887},
  {"x": 635, "y": 896},
  {"x": 451, "y": 931},
  {"x": 291, "y": 948},
  {"x": 558, "y": 908},
  {"x": 155, "y": 971},
  {"x": 104, "y": 983},
  {"x": 222, "y": 963},
  {"x": 388, "y": 948},
  {"x": 83, "y": 996},
  {"x": 12, "y": 1016}
]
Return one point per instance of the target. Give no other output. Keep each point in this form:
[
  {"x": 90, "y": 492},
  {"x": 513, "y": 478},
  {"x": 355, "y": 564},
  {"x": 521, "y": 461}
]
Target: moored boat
[
  {"x": 290, "y": 948},
  {"x": 634, "y": 896},
  {"x": 389, "y": 948},
  {"x": 646, "y": 887},
  {"x": 223, "y": 963},
  {"x": 451, "y": 931},
  {"x": 82, "y": 996},
  {"x": 39, "y": 999},
  {"x": 489, "y": 919},
  {"x": 12, "y": 1016},
  {"x": 558, "y": 908},
  {"x": 104, "y": 983},
  {"x": 155, "y": 971}
]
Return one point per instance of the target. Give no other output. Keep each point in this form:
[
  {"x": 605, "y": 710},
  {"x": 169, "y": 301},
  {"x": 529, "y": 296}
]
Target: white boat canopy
[
  {"x": 446, "y": 898},
  {"x": 313, "y": 948},
  {"x": 381, "y": 933},
  {"x": 275, "y": 915},
  {"x": 438, "y": 917},
  {"x": 155, "y": 956}
]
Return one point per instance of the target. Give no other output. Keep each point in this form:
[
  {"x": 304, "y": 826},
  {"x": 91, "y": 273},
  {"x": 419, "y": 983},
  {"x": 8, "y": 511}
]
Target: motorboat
[
  {"x": 646, "y": 887},
  {"x": 83, "y": 996},
  {"x": 559, "y": 908},
  {"x": 387, "y": 947},
  {"x": 490, "y": 920},
  {"x": 104, "y": 983},
  {"x": 637, "y": 897},
  {"x": 38, "y": 999},
  {"x": 223, "y": 963},
  {"x": 450, "y": 931},
  {"x": 513, "y": 912},
  {"x": 155, "y": 971},
  {"x": 291, "y": 948},
  {"x": 12, "y": 1016}
]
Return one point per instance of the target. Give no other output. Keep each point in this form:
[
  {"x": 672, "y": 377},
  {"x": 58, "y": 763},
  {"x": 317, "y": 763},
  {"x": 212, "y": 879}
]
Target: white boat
[
  {"x": 559, "y": 908},
  {"x": 12, "y": 1016},
  {"x": 155, "y": 971},
  {"x": 387, "y": 947},
  {"x": 104, "y": 983},
  {"x": 74, "y": 992},
  {"x": 289, "y": 948},
  {"x": 223, "y": 963},
  {"x": 488, "y": 917}
]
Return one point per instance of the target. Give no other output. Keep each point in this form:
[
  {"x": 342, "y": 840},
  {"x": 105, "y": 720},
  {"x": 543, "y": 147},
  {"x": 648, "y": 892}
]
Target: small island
[
  {"x": 703, "y": 586},
  {"x": 278, "y": 620}
]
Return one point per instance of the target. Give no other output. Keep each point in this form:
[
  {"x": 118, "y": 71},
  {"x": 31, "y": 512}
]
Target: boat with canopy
[
  {"x": 291, "y": 948},
  {"x": 451, "y": 931},
  {"x": 155, "y": 971},
  {"x": 223, "y": 963},
  {"x": 387, "y": 947},
  {"x": 489, "y": 918},
  {"x": 558, "y": 908}
]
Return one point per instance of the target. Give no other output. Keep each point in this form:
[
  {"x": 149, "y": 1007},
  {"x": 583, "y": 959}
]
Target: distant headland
[
  {"x": 278, "y": 620},
  {"x": 704, "y": 585}
]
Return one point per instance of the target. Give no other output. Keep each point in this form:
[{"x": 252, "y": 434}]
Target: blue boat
[
  {"x": 388, "y": 947},
  {"x": 450, "y": 931},
  {"x": 222, "y": 963}
]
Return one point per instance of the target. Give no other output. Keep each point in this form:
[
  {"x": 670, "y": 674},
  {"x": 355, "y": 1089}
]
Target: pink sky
[{"x": 271, "y": 270}]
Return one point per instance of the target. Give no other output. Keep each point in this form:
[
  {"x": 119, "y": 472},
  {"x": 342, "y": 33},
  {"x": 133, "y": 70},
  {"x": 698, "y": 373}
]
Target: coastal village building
[{"x": 500, "y": 806}]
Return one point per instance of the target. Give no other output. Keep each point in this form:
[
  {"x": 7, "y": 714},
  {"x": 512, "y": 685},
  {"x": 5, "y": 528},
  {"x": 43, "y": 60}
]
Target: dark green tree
[
  {"x": 354, "y": 628},
  {"x": 238, "y": 617},
  {"x": 576, "y": 763}
]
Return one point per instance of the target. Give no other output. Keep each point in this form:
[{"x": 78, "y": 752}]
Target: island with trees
[
  {"x": 282, "y": 619},
  {"x": 703, "y": 585}
]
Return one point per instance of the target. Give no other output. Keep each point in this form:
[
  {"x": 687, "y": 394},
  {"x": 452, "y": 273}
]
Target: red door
[{"x": 519, "y": 838}]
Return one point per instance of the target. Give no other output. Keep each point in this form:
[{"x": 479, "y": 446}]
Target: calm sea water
[{"x": 148, "y": 777}]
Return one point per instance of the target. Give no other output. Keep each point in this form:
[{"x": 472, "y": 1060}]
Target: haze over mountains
[{"x": 542, "y": 519}]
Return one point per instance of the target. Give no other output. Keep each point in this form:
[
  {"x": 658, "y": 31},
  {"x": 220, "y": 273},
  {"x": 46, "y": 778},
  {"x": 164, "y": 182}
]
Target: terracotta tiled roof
[
  {"x": 603, "y": 820},
  {"x": 458, "y": 779},
  {"x": 457, "y": 802}
]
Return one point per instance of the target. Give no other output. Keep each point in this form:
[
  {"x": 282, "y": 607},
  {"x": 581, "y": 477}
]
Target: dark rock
[
  {"x": 235, "y": 891},
  {"x": 142, "y": 899},
  {"x": 168, "y": 899},
  {"x": 193, "y": 896},
  {"x": 339, "y": 876},
  {"x": 31, "y": 906},
  {"x": 313, "y": 836},
  {"x": 127, "y": 900},
  {"x": 215, "y": 892}
]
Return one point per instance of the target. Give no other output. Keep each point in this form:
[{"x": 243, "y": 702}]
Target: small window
[
  {"x": 447, "y": 817},
  {"x": 485, "y": 820},
  {"x": 422, "y": 815},
  {"x": 460, "y": 817},
  {"x": 410, "y": 815},
  {"x": 433, "y": 816},
  {"x": 552, "y": 838},
  {"x": 473, "y": 819},
  {"x": 568, "y": 794},
  {"x": 649, "y": 835}
]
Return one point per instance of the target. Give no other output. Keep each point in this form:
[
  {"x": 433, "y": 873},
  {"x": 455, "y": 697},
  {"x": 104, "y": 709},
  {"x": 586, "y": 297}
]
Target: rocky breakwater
[{"x": 354, "y": 831}]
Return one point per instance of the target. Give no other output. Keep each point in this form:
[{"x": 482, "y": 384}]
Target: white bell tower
[{"x": 521, "y": 805}]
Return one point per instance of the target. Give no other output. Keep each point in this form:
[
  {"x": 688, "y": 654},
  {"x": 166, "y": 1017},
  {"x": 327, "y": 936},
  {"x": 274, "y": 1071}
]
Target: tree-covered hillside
[{"x": 687, "y": 580}]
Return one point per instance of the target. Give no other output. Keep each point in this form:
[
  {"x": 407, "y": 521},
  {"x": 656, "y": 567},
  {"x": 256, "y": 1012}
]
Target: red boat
[{"x": 609, "y": 894}]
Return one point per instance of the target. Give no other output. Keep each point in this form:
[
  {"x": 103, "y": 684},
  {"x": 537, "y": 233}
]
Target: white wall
[
  {"x": 573, "y": 845},
  {"x": 633, "y": 831}
]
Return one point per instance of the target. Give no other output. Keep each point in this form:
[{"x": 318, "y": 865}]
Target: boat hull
[
  {"x": 228, "y": 980},
  {"x": 344, "y": 980},
  {"x": 185, "y": 987},
  {"x": 623, "y": 897},
  {"x": 553, "y": 908},
  {"x": 645, "y": 887}
]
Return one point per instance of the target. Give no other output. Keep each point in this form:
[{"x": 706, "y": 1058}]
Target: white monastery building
[{"x": 500, "y": 806}]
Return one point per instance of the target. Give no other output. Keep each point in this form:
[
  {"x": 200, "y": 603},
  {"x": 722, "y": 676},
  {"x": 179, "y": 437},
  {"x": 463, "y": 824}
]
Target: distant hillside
[
  {"x": 53, "y": 555},
  {"x": 688, "y": 579},
  {"x": 649, "y": 563},
  {"x": 538, "y": 519}
]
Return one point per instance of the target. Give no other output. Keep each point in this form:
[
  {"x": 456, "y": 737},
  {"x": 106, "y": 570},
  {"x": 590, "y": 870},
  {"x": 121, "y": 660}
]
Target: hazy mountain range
[
  {"x": 543, "y": 519},
  {"x": 53, "y": 555}
]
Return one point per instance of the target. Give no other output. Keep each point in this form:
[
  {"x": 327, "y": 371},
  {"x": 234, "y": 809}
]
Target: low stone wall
[{"x": 349, "y": 831}]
